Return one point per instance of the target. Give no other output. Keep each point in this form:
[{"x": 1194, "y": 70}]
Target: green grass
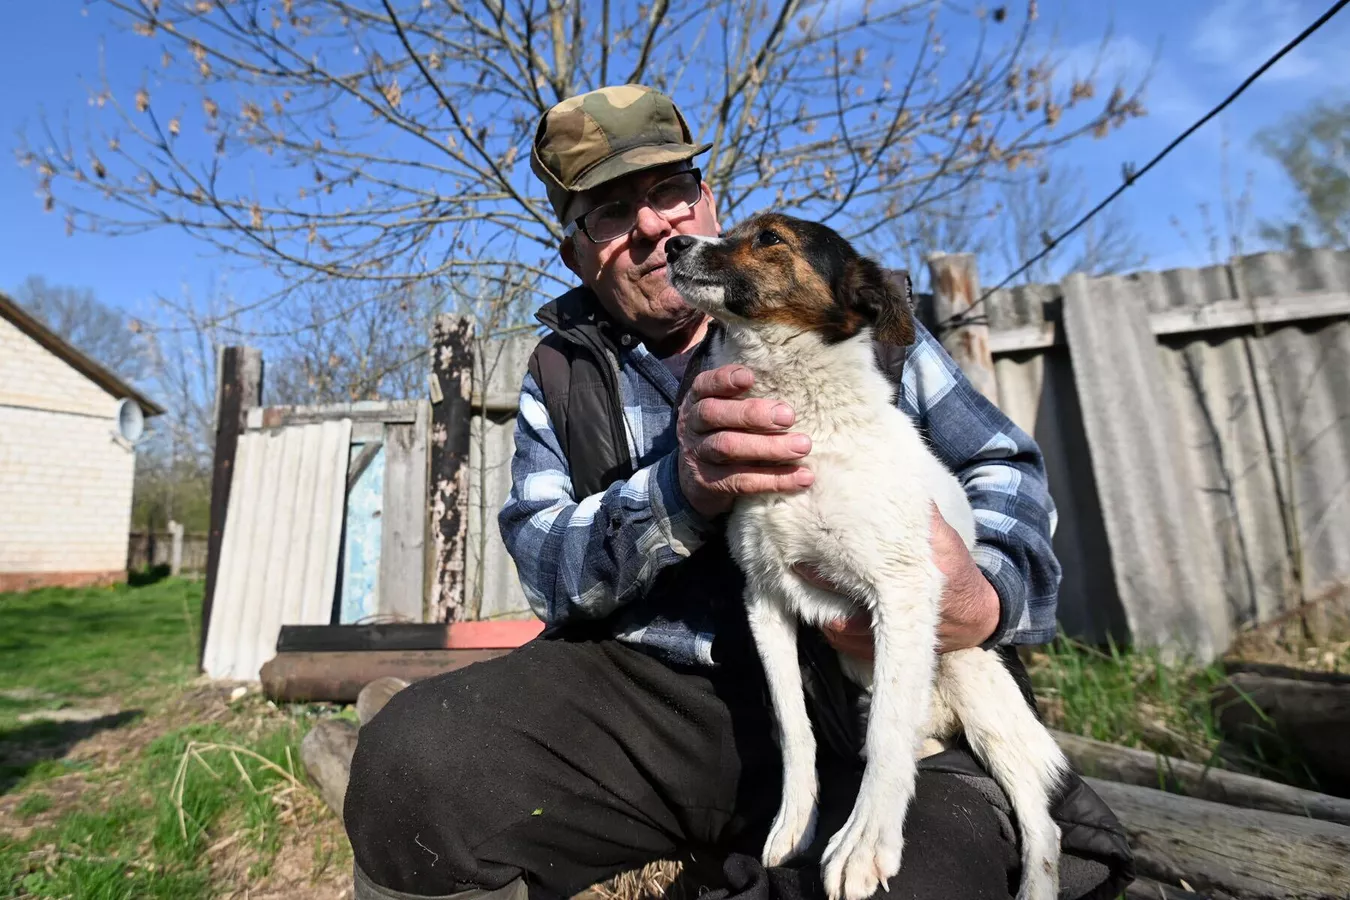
[
  {"x": 140, "y": 830},
  {"x": 1135, "y": 699}
]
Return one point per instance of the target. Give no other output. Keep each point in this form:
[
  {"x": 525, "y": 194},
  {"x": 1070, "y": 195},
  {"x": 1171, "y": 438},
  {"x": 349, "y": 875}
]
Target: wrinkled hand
[
  {"x": 731, "y": 445},
  {"x": 970, "y": 604}
]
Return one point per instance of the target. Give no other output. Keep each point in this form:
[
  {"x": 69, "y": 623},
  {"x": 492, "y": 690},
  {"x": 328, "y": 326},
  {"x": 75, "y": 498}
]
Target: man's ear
[
  {"x": 567, "y": 252},
  {"x": 712, "y": 206},
  {"x": 865, "y": 291}
]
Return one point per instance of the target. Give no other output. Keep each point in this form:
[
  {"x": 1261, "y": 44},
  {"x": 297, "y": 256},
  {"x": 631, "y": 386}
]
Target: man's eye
[
  {"x": 609, "y": 213},
  {"x": 767, "y": 238}
]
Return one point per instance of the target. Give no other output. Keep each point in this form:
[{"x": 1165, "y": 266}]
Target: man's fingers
[
  {"x": 756, "y": 479},
  {"x": 715, "y": 414},
  {"x": 724, "y": 381},
  {"x": 731, "y": 447}
]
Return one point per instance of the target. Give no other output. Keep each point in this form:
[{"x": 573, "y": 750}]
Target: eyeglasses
[{"x": 669, "y": 197}]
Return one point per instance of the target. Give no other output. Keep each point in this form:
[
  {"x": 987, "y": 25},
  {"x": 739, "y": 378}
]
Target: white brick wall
[{"x": 65, "y": 484}]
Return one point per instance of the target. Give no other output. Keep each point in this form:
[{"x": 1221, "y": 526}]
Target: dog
[{"x": 799, "y": 307}]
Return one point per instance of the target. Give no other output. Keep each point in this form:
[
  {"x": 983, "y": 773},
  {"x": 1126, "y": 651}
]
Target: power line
[{"x": 1132, "y": 176}]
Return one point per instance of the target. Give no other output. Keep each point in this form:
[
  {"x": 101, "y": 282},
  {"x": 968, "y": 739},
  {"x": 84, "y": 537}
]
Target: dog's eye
[{"x": 767, "y": 238}]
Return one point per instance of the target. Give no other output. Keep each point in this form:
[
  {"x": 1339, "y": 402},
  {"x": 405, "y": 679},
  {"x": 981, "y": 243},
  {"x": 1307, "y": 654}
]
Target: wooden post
[
  {"x": 239, "y": 377},
  {"x": 451, "y": 390},
  {"x": 176, "y": 549},
  {"x": 956, "y": 287}
]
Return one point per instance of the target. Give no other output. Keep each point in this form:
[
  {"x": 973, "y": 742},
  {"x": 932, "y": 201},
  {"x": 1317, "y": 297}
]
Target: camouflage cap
[{"x": 592, "y": 138}]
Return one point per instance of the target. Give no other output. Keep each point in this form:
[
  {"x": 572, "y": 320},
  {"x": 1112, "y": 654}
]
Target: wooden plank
[
  {"x": 1245, "y": 314},
  {"x": 1140, "y": 767},
  {"x": 430, "y": 636},
  {"x": 361, "y": 461},
  {"x": 452, "y": 373},
  {"x": 238, "y": 389},
  {"x": 339, "y": 677},
  {"x": 956, "y": 284},
  {"x": 1025, "y": 338},
  {"x": 1222, "y": 850},
  {"x": 396, "y": 411},
  {"x": 403, "y": 540}
]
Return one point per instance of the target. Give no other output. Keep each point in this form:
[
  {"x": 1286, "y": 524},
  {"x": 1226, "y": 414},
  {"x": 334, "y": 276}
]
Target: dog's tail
[{"x": 1018, "y": 751}]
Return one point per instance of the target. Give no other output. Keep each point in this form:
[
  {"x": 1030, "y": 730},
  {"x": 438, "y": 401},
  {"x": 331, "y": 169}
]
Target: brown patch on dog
[{"x": 805, "y": 276}]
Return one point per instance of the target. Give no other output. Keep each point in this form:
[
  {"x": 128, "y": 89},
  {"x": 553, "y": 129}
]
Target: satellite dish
[{"x": 130, "y": 421}]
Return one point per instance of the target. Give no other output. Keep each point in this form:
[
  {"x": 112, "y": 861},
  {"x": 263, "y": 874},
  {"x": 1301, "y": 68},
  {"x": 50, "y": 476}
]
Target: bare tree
[
  {"x": 401, "y": 128},
  {"x": 101, "y": 332}
]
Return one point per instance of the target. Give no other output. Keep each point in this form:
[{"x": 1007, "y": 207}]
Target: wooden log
[
  {"x": 326, "y": 753},
  {"x": 338, "y": 677},
  {"x": 1148, "y": 889},
  {"x": 1222, "y": 850},
  {"x": 452, "y": 386},
  {"x": 956, "y": 289},
  {"x": 1147, "y": 769},
  {"x": 239, "y": 378},
  {"x": 375, "y": 695},
  {"x": 1273, "y": 670},
  {"x": 1276, "y": 715},
  {"x": 454, "y": 636}
]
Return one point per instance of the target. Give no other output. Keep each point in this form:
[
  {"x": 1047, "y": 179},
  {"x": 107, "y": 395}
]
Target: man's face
[{"x": 628, "y": 274}]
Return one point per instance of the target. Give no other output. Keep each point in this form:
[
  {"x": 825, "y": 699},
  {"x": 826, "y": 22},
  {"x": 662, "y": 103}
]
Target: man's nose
[
  {"x": 677, "y": 246},
  {"x": 650, "y": 224}
]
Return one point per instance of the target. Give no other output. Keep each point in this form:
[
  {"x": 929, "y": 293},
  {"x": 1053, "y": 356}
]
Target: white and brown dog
[{"x": 800, "y": 308}]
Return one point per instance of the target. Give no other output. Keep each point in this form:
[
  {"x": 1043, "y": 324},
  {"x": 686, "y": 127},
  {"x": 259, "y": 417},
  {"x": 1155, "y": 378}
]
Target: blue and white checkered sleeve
[
  {"x": 1003, "y": 472},
  {"x": 586, "y": 558}
]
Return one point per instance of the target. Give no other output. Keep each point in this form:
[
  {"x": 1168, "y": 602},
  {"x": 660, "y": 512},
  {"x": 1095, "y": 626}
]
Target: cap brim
[{"x": 637, "y": 159}]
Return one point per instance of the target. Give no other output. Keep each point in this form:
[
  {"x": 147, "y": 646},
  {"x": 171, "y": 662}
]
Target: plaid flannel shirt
[{"x": 593, "y": 557}]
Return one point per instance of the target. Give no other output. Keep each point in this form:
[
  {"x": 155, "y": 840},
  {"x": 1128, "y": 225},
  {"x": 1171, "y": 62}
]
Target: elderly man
[{"x": 637, "y": 728}]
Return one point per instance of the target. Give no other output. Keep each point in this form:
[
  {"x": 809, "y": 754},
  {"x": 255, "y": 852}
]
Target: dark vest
[{"x": 577, "y": 368}]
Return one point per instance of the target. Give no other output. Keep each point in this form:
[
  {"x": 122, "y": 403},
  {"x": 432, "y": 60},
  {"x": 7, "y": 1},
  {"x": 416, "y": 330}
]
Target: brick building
[{"x": 65, "y": 472}]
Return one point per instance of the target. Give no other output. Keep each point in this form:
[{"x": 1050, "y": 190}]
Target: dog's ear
[{"x": 882, "y": 302}]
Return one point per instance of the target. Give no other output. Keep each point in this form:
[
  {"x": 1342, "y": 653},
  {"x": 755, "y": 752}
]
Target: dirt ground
[{"x": 313, "y": 860}]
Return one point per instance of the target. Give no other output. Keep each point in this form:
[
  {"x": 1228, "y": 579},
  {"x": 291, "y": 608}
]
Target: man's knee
[
  {"x": 957, "y": 844},
  {"x": 415, "y": 796}
]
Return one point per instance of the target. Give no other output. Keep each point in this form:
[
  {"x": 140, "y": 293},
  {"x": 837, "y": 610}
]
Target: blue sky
[{"x": 49, "y": 55}]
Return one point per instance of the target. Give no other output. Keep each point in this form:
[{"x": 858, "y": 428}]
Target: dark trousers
[{"x": 567, "y": 762}]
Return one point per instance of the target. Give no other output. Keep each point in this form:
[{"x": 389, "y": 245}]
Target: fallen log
[
  {"x": 338, "y": 677},
  {"x": 1279, "y": 715},
  {"x": 326, "y": 753},
  {"x": 1222, "y": 850},
  {"x": 1274, "y": 670},
  {"x": 1146, "y": 769}
]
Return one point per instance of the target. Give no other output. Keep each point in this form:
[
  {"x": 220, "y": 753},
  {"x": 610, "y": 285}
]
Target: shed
[{"x": 66, "y": 473}]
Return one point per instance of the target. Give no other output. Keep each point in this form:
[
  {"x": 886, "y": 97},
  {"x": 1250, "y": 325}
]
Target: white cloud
[{"x": 1242, "y": 34}]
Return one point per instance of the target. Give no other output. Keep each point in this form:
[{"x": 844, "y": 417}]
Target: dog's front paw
[
  {"x": 864, "y": 853},
  {"x": 793, "y": 831}
]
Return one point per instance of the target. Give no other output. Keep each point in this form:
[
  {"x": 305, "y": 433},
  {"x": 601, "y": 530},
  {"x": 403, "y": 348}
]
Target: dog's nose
[{"x": 678, "y": 245}]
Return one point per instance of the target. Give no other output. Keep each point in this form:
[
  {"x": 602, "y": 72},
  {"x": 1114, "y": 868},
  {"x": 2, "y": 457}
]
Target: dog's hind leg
[
  {"x": 775, "y": 631},
  {"x": 866, "y": 852},
  {"x": 1018, "y": 751}
]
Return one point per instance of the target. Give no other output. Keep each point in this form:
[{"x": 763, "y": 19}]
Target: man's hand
[
  {"x": 731, "y": 445},
  {"x": 970, "y": 605}
]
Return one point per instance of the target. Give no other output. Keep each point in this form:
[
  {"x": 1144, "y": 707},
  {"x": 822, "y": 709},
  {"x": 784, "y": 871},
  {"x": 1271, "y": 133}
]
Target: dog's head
[{"x": 774, "y": 270}]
